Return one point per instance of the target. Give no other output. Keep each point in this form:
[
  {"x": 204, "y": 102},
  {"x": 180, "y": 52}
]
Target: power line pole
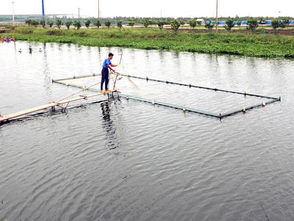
[
  {"x": 13, "y": 19},
  {"x": 98, "y": 9},
  {"x": 43, "y": 9},
  {"x": 216, "y": 15}
]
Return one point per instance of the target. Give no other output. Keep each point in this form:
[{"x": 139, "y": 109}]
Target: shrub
[
  {"x": 275, "y": 24},
  {"x": 146, "y": 22},
  {"x": 252, "y": 25},
  {"x": 108, "y": 24},
  {"x": 50, "y": 23},
  {"x": 193, "y": 23},
  {"x": 58, "y": 23},
  {"x": 209, "y": 25},
  {"x": 35, "y": 22},
  {"x": 28, "y": 22},
  {"x": 77, "y": 24},
  {"x": 54, "y": 32},
  {"x": 229, "y": 24},
  {"x": 119, "y": 24},
  {"x": 43, "y": 23},
  {"x": 131, "y": 23},
  {"x": 182, "y": 21},
  {"x": 87, "y": 23},
  {"x": 68, "y": 24},
  {"x": 160, "y": 25},
  {"x": 97, "y": 23},
  {"x": 175, "y": 25}
]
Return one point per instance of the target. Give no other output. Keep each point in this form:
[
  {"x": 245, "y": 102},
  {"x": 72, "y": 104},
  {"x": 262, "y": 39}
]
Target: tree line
[{"x": 175, "y": 24}]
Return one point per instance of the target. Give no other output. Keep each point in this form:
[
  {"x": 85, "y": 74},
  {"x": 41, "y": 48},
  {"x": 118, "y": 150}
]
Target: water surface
[{"x": 126, "y": 160}]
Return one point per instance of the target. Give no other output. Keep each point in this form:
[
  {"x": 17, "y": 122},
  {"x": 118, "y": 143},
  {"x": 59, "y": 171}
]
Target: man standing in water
[{"x": 105, "y": 72}]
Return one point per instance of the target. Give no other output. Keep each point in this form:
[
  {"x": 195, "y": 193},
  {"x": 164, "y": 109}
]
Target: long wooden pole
[
  {"x": 216, "y": 16},
  {"x": 13, "y": 19},
  {"x": 98, "y": 9},
  {"x": 44, "y": 107}
]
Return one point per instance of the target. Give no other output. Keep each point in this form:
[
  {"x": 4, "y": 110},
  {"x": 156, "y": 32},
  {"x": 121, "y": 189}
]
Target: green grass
[{"x": 258, "y": 45}]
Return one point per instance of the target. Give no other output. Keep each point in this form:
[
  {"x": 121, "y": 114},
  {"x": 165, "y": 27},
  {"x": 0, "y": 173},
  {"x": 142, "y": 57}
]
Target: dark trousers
[{"x": 104, "y": 78}]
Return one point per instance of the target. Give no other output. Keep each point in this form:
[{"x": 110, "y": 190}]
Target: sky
[{"x": 153, "y": 8}]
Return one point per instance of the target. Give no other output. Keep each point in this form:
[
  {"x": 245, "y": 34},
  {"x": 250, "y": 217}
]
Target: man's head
[{"x": 110, "y": 55}]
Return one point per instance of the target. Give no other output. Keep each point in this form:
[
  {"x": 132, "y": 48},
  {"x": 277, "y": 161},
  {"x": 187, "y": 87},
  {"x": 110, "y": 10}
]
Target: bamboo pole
[
  {"x": 47, "y": 106},
  {"x": 186, "y": 85}
]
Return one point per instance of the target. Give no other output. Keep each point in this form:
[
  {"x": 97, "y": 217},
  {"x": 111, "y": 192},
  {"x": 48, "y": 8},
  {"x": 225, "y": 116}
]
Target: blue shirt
[{"x": 106, "y": 63}]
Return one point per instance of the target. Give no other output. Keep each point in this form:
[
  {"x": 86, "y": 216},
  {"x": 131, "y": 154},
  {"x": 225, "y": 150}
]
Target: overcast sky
[{"x": 154, "y": 8}]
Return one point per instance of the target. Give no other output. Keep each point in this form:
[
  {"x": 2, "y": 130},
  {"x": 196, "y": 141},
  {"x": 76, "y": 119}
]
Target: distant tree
[
  {"x": 182, "y": 21},
  {"x": 193, "y": 23},
  {"x": 146, "y": 22},
  {"x": 199, "y": 23},
  {"x": 175, "y": 25},
  {"x": 160, "y": 24},
  {"x": 77, "y": 24},
  {"x": 131, "y": 23},
  {"x": 286, "y": 22},
  {"x": 283, "y": 24},
  {"x": 275, "y": 24},
  {"x": 209, "y": 25},
  {"x": 252, "y": 25},
  {"x": 261, "y": 21},
  {"x": 108, "y": 24},
  {"x": 87, "y": 23},
  {"x": 229, "y": 24},
  {"x": 68, "y": 23},
  {"x": 97, "y": 23},
  {"x": 35, "y": 22},
  {"x": 50, "y": 23},
  {"x": 119, "y": 24},
  {"x": 58, "y": 23},
  {"x": 43, "y": 23},
  {"x": 28, "y": 22}
]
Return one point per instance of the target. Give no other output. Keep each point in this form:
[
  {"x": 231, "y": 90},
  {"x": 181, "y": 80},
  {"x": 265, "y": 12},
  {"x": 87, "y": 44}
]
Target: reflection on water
[
  {"x": 110, "y": 129},
  {"x": 124, "y": 160}
]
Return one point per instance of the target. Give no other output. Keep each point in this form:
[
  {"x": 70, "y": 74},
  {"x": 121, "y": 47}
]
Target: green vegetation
[
  {"x": 279, "y": 24},
  {"x": 252, "y": 25},
  {"x": 260, "y": 45},
  {"x": 131, "y": 23},
  {"x": 97, "y": 23},
  {"x": 209, "y": 25},
  {"x": 175, "y": 25},
  {"x": 193, "y": 23},
  {"x": 229, "y": 24},
  {"x": 146, "y": 22},
  {"x": 43, "y": 23},
  {"x": 108, "y": 24},
  {"x": 77, "y": 24},
  {"x": 68, "y": 24},
  {"x": 58, "y": 23},
  {"x": 50, "y": 23},
  {"x": 87, "y": 23},
  {"x": 119, "y": 24},
  {"x": 160, "y": 25}
]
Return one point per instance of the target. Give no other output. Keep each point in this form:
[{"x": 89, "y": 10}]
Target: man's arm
[{"x": 110, "y": 67}]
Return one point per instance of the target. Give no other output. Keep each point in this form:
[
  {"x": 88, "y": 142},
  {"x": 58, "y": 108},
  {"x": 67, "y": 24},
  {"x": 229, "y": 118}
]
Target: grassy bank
[{"x": 259, "y": 45}]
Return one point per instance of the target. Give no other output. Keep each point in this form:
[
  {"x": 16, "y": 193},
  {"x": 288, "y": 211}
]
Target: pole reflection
[{"x": 108, "y": 126}]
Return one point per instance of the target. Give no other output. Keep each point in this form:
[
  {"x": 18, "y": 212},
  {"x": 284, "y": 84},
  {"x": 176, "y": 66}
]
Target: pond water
[{"x": 126, "y": 160}]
